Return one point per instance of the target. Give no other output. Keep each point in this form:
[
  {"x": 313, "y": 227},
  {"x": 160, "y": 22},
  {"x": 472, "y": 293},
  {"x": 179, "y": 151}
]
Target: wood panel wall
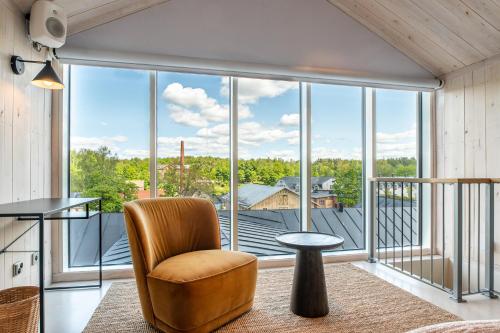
[
  {"x": 25, "y": 144},
  {"x": 468, "y": 138}
]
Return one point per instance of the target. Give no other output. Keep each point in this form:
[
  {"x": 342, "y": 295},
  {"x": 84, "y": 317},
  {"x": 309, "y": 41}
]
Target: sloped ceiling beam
[{"x": 87, "y": 14}]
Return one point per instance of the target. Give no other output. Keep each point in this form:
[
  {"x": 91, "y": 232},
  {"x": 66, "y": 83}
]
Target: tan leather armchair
[{"x": 186, "y": 283}]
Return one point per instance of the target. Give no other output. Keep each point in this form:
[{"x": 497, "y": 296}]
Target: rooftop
[
  {"x": 251, "y": 194},
  {"x": 256, "y": 228},
  {"x": 293, "y": 182}
]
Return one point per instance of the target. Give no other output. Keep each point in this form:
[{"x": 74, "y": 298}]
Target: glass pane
[
  {"x": 193, "y": 140},
  {"x": 396, "y": 142},
  {"x": 268, "y": 165},
  {"x": 109, "y": 149},
  {"x": 336, "y": 135},
  {"x": 396, "y": 133}
]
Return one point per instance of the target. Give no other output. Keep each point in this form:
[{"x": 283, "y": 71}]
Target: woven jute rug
[{"x": 359, "y": 302}]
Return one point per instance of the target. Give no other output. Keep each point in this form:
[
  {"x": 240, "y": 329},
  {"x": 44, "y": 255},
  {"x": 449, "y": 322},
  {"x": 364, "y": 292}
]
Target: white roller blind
[{"x": 197, "y": 65}]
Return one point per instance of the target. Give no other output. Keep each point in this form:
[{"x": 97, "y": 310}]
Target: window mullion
[
  {"x": 305, "y": 156},
  {"x": 152, "y": 133},
  {"x": 234, "y": 161},
  {"x": 370, "y": 162}
]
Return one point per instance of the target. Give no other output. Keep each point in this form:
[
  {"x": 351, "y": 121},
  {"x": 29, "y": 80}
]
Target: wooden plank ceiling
[
  {"x": 86, "y": 14},
  {"x": 440, "y": 35}
]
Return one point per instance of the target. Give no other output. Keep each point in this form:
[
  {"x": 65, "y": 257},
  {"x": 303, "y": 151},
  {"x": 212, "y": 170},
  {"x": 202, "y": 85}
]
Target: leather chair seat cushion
[{"x": 191, "y": 289}]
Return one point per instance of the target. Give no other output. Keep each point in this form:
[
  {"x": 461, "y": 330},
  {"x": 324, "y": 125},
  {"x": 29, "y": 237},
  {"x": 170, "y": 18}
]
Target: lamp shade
[{"x": 48, "y": 78}]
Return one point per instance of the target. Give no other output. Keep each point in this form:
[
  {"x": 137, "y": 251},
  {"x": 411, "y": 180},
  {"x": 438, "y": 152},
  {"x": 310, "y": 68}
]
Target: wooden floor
[
  {"x": 68, "y": 311},
  {"x": 477, "y": 306}
]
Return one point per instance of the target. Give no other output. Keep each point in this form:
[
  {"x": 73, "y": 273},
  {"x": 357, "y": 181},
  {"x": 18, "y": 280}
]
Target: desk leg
[{"x": 41, "y": 272}]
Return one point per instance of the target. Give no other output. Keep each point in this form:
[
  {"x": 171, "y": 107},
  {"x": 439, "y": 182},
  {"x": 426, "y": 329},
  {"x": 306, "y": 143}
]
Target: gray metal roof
[
  {"x": 390, "y": 202},
  {"x": 257, "y": 229},
  {"x": 83, "y": 238},
  {"x": 293, "y": 181},
  {"x": 321, "y": 194},
  {"x": 251, "y": 194}
]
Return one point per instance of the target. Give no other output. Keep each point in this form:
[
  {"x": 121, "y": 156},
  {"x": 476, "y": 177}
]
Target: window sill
[{"x": 126, "y": 271}]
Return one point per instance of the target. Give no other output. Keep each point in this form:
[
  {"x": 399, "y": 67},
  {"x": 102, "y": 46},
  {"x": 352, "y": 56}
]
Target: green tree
[
  {"x": 348, "y": 182},
  {"x": 134, "y": 169},
  {"x": 397, "y": 167},
  {"x": 100, "y": 173},
  {"x": 94, "y": 174}
]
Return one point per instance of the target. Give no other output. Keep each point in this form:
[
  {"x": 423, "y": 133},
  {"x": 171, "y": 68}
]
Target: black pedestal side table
[{"x": 309, "y": 296}]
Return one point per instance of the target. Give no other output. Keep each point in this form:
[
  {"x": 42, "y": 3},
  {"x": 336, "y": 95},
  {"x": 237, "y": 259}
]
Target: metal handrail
[
  {"x": 435, "y": 180},
  {"x": 392, "y": 190}
]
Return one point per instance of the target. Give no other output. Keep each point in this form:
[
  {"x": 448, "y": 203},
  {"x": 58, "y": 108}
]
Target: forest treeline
[{"x": 101, "y": 173}]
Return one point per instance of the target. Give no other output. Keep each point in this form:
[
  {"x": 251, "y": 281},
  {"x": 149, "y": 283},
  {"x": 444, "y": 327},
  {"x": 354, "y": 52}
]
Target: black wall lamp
[{"x": 47, "y": 78}]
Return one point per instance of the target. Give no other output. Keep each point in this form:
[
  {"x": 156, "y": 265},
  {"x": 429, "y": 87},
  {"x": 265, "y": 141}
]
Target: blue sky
[{"x": 111, "y": 107}]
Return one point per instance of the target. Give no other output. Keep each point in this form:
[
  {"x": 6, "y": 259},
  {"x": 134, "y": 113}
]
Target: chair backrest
[{"x": 161, "y": 228}]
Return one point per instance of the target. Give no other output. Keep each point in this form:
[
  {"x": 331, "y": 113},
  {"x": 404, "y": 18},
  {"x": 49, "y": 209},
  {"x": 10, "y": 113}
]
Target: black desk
[
  {"x": 309, "y": 297},
  {"x": 42, "y": 210}
]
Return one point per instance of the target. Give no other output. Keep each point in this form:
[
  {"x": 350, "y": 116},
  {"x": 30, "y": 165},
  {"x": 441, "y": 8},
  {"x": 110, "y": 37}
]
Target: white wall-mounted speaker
[{"x": 48, "y": 24}]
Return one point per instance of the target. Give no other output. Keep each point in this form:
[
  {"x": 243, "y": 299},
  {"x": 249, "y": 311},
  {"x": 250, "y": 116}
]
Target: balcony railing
[{"x": 447, "y": 237}]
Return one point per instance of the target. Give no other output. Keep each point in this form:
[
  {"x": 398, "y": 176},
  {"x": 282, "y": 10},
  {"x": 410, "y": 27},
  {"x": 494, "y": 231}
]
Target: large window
[
  {"x": 268, "y": 165},
  {"x": 397, "y": 114},
  {"x": 193, "y": 140},
  {"x": 109, "y": 154},
  {"x": 336, "y": 154},
  {"x": 118, "y": 132}
]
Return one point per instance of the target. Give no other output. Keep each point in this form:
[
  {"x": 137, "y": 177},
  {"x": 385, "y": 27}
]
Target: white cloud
[
  {"x": 330, "y": 152},
  {"x": 186, "y": 117},
  {"x": 396, "y": 137},
  {"x": 193, "y": 107},
  {"x": 294, "y": 141},
  {"x": 250, "y": 133},
  {"x": 292, "y": 119},
  {"x": 251, "y": 90},
  {"x": 398, "y": 144},
  {"x": 390, "y": 150},
  {"x": 214, "y": 141},
  {"x": 254, "y": 133},
  {"x": 187, "y": 97},
  {"x": 194, "y": 145},
  {"x": 285, "y": 154},
  {"x": 112, "y": 143},
  {"x": 244, "y": 111},
  {"x": 220, "y": 130},
  {"x": 195, "y": 98}
]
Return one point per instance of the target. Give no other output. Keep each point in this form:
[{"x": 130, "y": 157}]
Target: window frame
[{"x": 63, "y": 272}]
